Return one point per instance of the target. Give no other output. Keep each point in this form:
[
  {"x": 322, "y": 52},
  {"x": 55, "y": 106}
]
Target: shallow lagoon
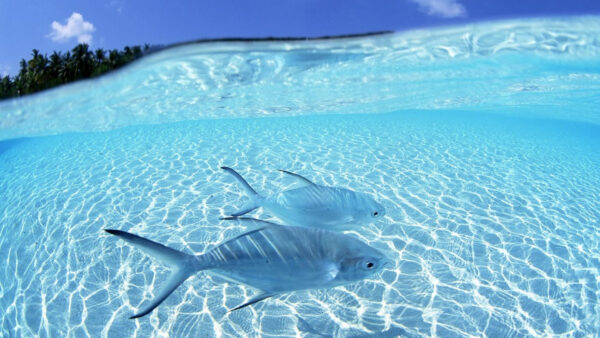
[{"x": 492, "y": 214}]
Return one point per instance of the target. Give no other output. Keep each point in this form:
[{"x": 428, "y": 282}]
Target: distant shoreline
[
  {"x": 157, "y": 48},
  {"x": 287, "y": 38},
  {"x": 42, "y": 72}
]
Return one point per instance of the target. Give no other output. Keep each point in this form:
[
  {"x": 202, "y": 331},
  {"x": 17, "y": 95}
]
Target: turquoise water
[{"x": 480, "y": 141}]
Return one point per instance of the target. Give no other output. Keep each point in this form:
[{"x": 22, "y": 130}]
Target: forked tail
[
  {"x": 183, "y": 265},
  {"x": 255, "y": 198}
]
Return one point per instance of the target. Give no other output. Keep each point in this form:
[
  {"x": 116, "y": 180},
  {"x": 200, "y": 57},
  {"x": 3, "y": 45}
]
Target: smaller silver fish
[
  {"x": 313, "y": 205},
  {"x": 274, "y": 259}
]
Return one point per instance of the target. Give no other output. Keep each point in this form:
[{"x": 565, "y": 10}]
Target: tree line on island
[{"x": 43, "y": 72}]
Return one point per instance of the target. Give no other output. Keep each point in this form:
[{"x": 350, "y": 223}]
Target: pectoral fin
[
  {"x": 331, "y": 274},
  {"x": 303, "y": 180},
  {"x": 254, "y": 300}
]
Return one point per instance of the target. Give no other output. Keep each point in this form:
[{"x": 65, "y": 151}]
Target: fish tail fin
[
  {"x": 255, "y": 199},
  {"x": 184, "y": 266}
]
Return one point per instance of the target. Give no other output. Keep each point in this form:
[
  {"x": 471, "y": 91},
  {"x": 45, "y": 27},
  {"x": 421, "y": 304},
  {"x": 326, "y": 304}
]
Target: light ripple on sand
[{"x": 492, "y": 222}]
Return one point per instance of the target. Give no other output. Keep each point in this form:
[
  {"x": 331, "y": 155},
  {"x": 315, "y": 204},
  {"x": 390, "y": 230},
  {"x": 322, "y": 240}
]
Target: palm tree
[
  {"x": 81, "y": 61},
  {"x": 6, "y": 88},
  {"x": 41, "y": 72},
  {"x": 55, "y": 65},
  {"x": 100, "y": 54}
]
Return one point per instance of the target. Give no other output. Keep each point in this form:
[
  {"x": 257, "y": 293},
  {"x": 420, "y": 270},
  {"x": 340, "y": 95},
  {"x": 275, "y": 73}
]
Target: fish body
[
  {"x": 319, "y": 206},
  {"x": 274, "y": 259},
  {"x": 313, "y": 205},
  {"x": 279, "y": 259}
]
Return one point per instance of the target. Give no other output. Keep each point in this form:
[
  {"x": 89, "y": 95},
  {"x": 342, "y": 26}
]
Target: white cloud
[
  {"x": 76, "y": 27},
  {"x": 443, "y": 8}
]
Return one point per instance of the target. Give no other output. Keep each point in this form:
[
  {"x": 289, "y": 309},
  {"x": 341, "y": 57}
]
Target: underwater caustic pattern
[{"x": 491, "y": 221}]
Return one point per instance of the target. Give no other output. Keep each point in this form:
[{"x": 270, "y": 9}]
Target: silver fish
[
  {"x": 274, "y": 259},
  {"x": 312, "y": 204}
]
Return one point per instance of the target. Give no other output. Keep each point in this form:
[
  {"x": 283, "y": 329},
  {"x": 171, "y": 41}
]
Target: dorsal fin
[{"x": 305, "y": 181}]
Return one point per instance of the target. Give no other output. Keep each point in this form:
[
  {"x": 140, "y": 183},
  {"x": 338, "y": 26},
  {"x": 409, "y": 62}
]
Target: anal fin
[
  {"x": 246, "y": 209},
  {"x": 254, "y": 300}
]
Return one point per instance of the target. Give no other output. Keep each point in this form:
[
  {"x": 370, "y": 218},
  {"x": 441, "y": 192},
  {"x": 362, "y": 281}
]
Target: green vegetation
[{"x": 43, "y": 72}]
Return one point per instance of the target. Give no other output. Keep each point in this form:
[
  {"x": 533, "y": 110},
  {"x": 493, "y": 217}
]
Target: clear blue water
[{"x": 481, "y": 142}]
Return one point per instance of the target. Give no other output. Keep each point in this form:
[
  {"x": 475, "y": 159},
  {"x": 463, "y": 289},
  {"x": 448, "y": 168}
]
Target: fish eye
[
  {"x": 370, "y": 265},
  {"x": 375, "y": 213}
]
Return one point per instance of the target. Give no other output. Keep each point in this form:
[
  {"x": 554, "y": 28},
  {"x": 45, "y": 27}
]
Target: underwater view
[{"x": 458, "y": 167}]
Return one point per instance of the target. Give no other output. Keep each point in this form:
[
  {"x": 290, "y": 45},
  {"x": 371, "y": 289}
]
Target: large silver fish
[
  {"x": 274, "y": 259},
  {"x": 312, "y": 204}
]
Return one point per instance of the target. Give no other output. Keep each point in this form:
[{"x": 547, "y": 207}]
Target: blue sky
[{"x": 59, "y": 25}]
